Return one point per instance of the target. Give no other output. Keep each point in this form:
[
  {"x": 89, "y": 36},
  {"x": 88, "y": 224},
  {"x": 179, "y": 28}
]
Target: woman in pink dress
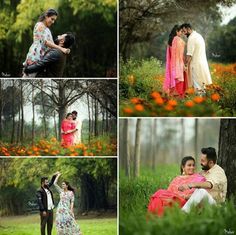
[
  {"x": 175, "y": 76},
  {"x": 68, "y": 127},
  {"x": 166, "y": 198}
]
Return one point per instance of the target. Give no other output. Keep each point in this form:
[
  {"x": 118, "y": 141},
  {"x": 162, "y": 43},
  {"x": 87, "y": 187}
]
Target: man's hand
[
  {"x": 183, "y": 187},
  {"x": 44, "y": 213}
]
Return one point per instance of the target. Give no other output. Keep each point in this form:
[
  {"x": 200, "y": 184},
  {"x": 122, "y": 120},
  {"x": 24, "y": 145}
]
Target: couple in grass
[
  {"x": 186, "y": 71},
  {"x": 190, "y": 188},
  {"x": 65, "y": 219}
]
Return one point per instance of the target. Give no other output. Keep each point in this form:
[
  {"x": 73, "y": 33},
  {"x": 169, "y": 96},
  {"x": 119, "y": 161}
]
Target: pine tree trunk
[
  {"x": 227, "y": 153},
  {"x": 126, "y": 155},
  {"x": 44, "y": 115},
  {"x": 89, "y": 116},
  {"x": 137, "y": 149},
  {"x": 13, "y": 112},
  {"x": 154, "y": 144},
  {"x": 182, "y": 144},
  {"x": 33, "y": 118},
  {"x": 196, "y": 140},
  {"x": 22, "y": 113},
  {"x": 1, "y": 107}
]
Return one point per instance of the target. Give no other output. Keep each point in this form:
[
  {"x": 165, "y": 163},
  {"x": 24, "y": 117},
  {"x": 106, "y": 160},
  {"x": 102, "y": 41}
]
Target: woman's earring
[{"x": 183, "y": 173}]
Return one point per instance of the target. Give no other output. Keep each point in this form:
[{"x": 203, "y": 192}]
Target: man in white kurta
[
  {"x": 78, "y": 123},
  {"x": 196, "y": 58}
]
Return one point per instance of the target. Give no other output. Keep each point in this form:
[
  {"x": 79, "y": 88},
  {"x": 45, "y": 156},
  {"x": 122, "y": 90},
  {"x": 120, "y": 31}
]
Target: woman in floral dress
[
  {"x": 65, "y": 219},
  {"x": 42, "y": 39},
  {"x": 68, "y": 127}
]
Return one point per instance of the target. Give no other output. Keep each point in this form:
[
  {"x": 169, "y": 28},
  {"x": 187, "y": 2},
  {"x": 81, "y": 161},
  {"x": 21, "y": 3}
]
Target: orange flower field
[
  {"x": 53, "y": 148},
  {"x": 218, "y": 99}
]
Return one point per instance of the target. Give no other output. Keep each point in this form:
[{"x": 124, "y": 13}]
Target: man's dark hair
[
  {"x": 210, "y": 153},
  {"x": 43, "y": 179},
  {"x": 69, "y": 40},
  {"x": 186, "y": 25},
  {"x": 74, "y": 112}
]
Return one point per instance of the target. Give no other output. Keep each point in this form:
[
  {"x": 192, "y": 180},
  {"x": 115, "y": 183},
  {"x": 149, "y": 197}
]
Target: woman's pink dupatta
[
  {"x": 175, "y": 76},
  {"x": 166, "y": 198}
]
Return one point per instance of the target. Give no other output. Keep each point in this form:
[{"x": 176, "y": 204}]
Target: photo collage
[{"x": 117, "y": 117}]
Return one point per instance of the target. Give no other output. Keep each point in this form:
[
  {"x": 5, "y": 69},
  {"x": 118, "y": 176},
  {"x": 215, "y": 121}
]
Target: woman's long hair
[
  {"x": 184, "y": 161},
  {"x": 48, "y": 13},
  {"x": 173, "y": 34},
  {"x": 69, "y": 187}
]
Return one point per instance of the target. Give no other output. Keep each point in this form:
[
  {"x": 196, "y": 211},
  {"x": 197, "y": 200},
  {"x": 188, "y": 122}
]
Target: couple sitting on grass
[{"x": 190, "y": 188}]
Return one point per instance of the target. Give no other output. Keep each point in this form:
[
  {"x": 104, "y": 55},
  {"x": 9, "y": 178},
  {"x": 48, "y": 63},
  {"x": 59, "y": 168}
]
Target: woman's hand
[{"x": 72, "y": 212}]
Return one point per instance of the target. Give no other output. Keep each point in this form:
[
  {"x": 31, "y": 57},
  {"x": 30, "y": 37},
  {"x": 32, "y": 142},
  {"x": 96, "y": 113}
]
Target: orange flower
[
  {"x": 128, "y": 110},
  {"x": 135, "y": 100},
  {"x": 190, "y": 91},
  {"x": 172, "y": 102},
  {"x": 159, "y": 101},
  {"x": 198, "y": 99},
  {"x": 189, "y": 103},
  {"x": 35, "y": 149},
  {"x": 215, "y": 97},
  {"x": 155, "y": 95},
  {"x": 53, "y": 139},
  {"x": 169, "y": 107},
  {"x": 139, "y": 107}
]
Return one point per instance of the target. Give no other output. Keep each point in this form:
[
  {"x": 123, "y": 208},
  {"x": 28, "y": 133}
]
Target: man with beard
[
  {"x": 46, "y": 204},
  {"x": 196, "y": 61},
  {"x": 53, "y": 63},
  {"x": 214, "y": 189},
  {"x": 78, "y": 124}
]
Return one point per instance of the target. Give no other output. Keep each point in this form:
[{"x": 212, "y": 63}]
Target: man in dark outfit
[
  {"x": 53, "y": 62},
  {"x": 46, "y": 204}
]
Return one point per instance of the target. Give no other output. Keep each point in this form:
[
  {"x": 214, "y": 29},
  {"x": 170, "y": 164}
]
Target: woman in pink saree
[
  {"x": 68, "y": 127},
  {"x": 175, "y": 76},
  {"x": 166, "y": 198}
]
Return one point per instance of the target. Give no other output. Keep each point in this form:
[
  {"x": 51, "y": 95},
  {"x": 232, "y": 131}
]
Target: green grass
[
  {"x": 29, "y": 225},
  {"x": 134, "y": 198}
]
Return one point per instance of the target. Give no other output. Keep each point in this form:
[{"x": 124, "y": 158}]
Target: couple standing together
[
  {"x": 70, "y": 130},
  {"x": 190, "y": 188},
  {"x": 192, "y": 70},
  {"x": 65, "y": 219}
]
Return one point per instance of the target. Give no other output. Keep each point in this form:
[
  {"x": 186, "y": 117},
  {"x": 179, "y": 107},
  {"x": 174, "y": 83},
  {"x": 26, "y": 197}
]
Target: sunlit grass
[{"x": 30, "y": 225}]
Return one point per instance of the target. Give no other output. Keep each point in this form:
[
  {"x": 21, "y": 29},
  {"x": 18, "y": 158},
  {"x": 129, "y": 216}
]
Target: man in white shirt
[
  {"x": 46, "y": 204},
  {"x": 77, "y": 134},
  {"x": 214, "y": 189},
  {"x": 196, "y": 61}
]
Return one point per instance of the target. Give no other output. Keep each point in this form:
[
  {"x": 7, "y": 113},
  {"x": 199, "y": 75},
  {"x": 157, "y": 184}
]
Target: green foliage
[
  {"x": 93, "y": 23},
  {"x": 20, "y": 179},
  {"x": 104, "y": 7},
  {"x": 221, "y": 43},
  {"x": 134, "y": 198},
  {"x": 139, "y": 77},
  {"x": 28, "y": 225},
  {"x": 27, "y": 15}
]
